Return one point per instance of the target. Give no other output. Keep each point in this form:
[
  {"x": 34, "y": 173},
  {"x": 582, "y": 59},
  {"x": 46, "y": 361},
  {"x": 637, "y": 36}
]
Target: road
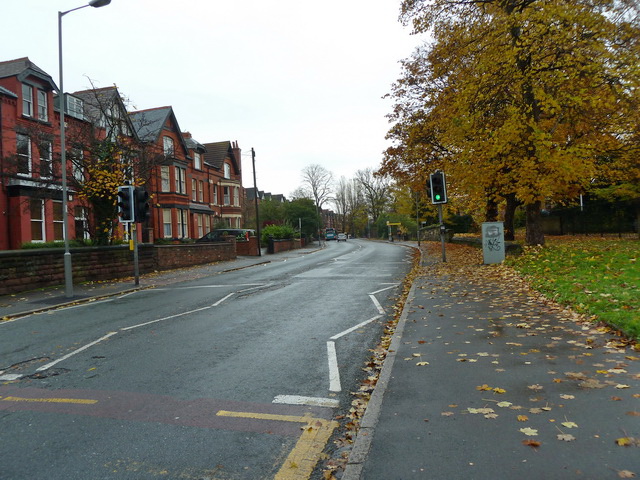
[{"x": 234, "y": 376}]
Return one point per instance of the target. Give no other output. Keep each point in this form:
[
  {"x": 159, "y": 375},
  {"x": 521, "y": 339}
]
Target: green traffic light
[{"x": 437, "y": 196}]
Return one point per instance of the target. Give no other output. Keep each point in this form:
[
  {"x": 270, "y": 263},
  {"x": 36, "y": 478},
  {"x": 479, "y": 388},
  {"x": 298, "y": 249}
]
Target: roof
[
  {"x": 150, "y": 123},
  {"x": 8, "y": 93},
  {"x": 97, "y": 100},
  {"x": 194, "y": 145},
  {"x": 217, "y": 152},
  {"x": 22, "y": 68}
]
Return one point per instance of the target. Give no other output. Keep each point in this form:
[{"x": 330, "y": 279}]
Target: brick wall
[{"x": 22, "y": 270}]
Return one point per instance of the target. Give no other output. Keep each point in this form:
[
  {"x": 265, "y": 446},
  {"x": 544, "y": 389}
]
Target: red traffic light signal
[
  {"x": 438, "y": 184},
  {"x": 125, "y": 203}
]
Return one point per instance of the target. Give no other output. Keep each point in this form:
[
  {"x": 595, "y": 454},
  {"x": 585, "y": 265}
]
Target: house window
[
  {"x": 201, "y": 191},
  {"x": 227, "y": 171},
  {"x": 81, "y": 223},
  {"x": 183, "y": 224},
  {"x": 75, "y": 108},
  {"x": 165, "y": 184},
  {"x": 200, "y": 225},
  {"x": 27, "y": 100},
  {"x": 236, "y": 197},
  {"x": 215, "y": 194},
  {"x": 194, "y": 189},
  {"x": 166, "y": 223},
  {"x": 227, "y": 193},
  {"x": 197, "y": 163},
  {"x": 23, "y": 150},
  {"x": 207, "y": 223},
  {"x": 167, "y": 143},
  {"x": 77, "y": 160},
  {"x": 43, "y": 113},
  {"x": 181, "y": 182},
  {"x": 45, "y": 160},
  {"x": 58, "y": 220},
  {"x": 36, "y": 206}
]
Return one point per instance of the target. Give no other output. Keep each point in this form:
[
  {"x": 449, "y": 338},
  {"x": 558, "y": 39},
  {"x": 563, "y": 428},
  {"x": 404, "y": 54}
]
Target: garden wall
[{"x": 22, "y": 270}]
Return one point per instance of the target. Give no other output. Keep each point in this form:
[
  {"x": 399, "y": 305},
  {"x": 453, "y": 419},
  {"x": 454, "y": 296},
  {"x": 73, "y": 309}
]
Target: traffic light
[
  {"x": 438, "y": 187},
  {"x": 125, "y": 203},
  {"x": 141, "y": 204}
]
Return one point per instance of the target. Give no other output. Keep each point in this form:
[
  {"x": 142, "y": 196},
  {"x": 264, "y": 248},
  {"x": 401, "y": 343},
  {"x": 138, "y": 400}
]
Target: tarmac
[{"x": 485, "y": 379}]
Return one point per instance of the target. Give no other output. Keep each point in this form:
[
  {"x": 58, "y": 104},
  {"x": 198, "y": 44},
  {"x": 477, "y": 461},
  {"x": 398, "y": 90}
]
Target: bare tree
[
  {"x": 317, "y": 181},
  {"x": 376, "y": 192}
]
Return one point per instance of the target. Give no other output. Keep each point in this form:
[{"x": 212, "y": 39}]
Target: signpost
[
  {"x": 389, "y": 224},
  {"x": 438, "y": 189}
]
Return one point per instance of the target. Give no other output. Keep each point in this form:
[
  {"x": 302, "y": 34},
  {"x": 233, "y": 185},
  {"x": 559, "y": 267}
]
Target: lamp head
[{"x": 99, "y": 3}]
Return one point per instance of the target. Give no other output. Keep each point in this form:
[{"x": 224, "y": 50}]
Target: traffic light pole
[
  {"x": 136, "y": 267},
  {"x": 442, "y": 233}
]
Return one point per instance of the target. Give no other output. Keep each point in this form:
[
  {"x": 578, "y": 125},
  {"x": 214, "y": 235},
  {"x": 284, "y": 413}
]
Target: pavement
[{"x": 485, "y": 379}]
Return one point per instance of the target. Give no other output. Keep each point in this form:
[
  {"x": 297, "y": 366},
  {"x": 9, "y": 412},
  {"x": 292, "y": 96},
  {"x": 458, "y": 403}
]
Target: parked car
[
  {"x": 218, "y": 234},
  {"x": 342, "y": 237}
]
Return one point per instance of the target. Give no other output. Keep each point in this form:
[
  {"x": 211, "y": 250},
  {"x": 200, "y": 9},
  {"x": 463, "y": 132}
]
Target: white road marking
[
  {"x": 69, "y": 355},
  {"x": 10, "y": 377},
  {"x": 383, "y": 289},
  {"x": 349, "y": 330},
  {"x": 334, "y": 372},
  {"x": 221, "y": 300},
  {"x": 310, "y": 401},
  {"x": 377, "y": 304}
]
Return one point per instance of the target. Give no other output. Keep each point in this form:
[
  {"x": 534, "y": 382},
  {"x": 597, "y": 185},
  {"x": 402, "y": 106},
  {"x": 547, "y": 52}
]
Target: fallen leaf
[
  {"x": 567, "y": 397},
  {"x": 446, "y": 414},
  {"x": 570, "y": 424},
  {"x": 529, "y": 431},
  {"x": 523, "y": 418},
  {"x": 483, "y": 388},
  {"x": 504, "y": 404},
  {"x": 626, "y": 474},
  {"x": 620, "y": 386},
  {"x": 420, "y": 364},
  {"x": 531, "y": 443},
  {"x": 499, "y": 391},
  {"x": 566, "y": 437},
  {"x": 491, "y": 415}
]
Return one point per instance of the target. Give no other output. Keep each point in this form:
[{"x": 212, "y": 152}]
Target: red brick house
[
  {"x": 224, "y": 158},
  {"x": 193, "y": 187},
  {"x": 31, "y": 194}
]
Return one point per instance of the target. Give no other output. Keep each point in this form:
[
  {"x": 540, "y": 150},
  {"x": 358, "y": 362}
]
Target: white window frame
[
  {"x": 78, "y": 164},
  {"x": 236, "y": 197},
  {"x": 227, "y": 171},
  {"x": 46, "y": 158},
  {"x": 75, "y": 108},
  {"x": 168, "y": 146},
  {"x": 194, "y": 189},
  {"x": 201, "y": 191},
  {"x": 183, "y": 223},
  {"x": 27, "y": 156},
  {"x": 58, "y": 222},
  {"x": 165, "y": 179},
  {"x": 167, "y": 228},
  {"x": 27, "y": 100},
  {"x": 35, "y": 221},
  {"x": 181, "y": 186},
  {"x": 197, "y": 161},
  {"x": 215, "y": 194},
  {"x": 43, "y": 107},
  {"x": 226, "y": 195},
  {"x": 80, "y": 215}
]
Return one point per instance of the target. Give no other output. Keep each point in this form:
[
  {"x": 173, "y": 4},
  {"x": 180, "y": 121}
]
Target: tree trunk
[
  {"x": 491, "y": 210},
  {"x": 509, "y": 216},
  {"x": 534, "y": 234}
]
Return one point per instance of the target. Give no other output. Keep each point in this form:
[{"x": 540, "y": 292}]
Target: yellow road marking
[
  {"x": 303, "y": 458},
  {"x": 83, "y": 401}
]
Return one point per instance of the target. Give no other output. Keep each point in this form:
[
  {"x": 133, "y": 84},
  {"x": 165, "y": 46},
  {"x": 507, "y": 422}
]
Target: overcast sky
[{"x": 301, "y": 82}]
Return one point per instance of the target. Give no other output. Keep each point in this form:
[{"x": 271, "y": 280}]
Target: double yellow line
[{"x": 303, "y": 458}]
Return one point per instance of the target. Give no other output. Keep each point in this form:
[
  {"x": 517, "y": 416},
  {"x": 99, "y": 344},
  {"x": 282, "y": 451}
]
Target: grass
[{"x": 599, "y": 277}]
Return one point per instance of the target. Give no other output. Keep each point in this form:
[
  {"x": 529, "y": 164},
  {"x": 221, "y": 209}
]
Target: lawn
[{"x": 596, "y": 276}]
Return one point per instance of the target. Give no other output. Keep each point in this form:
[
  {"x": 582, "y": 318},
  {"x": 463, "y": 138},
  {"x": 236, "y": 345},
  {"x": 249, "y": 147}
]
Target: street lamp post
[{"x": 68, "y": 274}]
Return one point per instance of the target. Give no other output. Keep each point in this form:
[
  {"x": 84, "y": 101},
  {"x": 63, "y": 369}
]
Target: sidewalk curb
[{"x": 364, "y": 437}]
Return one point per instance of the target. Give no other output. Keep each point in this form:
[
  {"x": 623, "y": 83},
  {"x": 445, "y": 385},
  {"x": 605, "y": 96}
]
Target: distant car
[
  {"x": 218, "y": 234},
  {"x": 342, "y": 237}
]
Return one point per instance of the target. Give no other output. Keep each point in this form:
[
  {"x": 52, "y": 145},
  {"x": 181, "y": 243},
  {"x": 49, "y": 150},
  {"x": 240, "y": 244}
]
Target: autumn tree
[
  {"x": 317, "y": 183},
  {"x": 518, "y": 100}
]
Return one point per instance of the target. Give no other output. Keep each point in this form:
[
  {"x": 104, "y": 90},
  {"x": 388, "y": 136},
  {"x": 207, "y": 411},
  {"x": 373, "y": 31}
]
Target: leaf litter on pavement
[{"x": 525, "y": 313}]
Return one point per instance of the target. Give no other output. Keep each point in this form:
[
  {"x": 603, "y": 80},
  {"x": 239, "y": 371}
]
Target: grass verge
[{"x": 599, "y": 277}]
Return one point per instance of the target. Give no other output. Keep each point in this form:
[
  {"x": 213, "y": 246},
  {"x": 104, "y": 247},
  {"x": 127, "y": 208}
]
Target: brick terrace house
[
  {"x": 192, "y": 186},
  {"x": 225, "y": 159},
  {"x": 31, "y": 193}
]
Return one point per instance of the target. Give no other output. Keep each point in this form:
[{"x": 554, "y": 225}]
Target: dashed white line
[
  {"x": 75, "y": 352},
  {"x": 310, "y": 401},
  {"x": 334, "y": 372}
]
